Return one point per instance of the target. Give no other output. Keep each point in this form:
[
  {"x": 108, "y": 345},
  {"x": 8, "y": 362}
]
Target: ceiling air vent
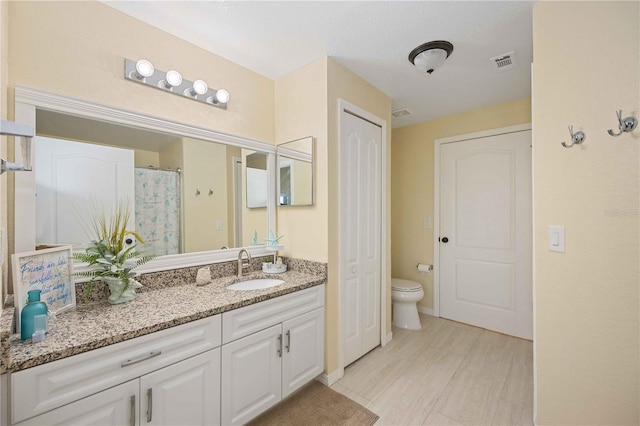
[
  {"x": 504, "y": 62},
  {"x": 403, "y": 112}
]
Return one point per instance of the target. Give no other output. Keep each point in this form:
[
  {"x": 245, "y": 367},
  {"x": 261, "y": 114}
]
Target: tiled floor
[{"x": 445, "y": 374}]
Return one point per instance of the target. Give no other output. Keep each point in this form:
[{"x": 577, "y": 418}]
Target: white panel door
[
  {"x": 185, "y": 393},
  {"x": 251, "y": 375},
  {"x": 303, "y": 354},
  {"x": 360, "y": 236},
  {"x": 115, "y": 406},
  {"x": 486, "y": 233},
  {"x": 61, "y": 198}
]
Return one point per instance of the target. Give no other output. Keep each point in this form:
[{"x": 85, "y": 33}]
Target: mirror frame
[
  {"x": 294, "y": 154},
  {"x": 28, "y": 100}
]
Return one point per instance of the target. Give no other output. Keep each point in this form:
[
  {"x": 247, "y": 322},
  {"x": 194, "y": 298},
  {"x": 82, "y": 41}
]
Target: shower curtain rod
[{"x": 177, "y": 170}]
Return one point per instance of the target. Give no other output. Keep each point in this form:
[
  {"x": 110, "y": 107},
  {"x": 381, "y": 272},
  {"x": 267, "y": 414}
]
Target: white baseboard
[
  {"x": 423, "y": 310},
  {"x": 329, "y": 379},
  {"x": 387, "y": 338}
]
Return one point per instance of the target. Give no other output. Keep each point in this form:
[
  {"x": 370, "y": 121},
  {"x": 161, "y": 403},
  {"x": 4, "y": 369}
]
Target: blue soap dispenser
[{"x": 33, "y": 308}]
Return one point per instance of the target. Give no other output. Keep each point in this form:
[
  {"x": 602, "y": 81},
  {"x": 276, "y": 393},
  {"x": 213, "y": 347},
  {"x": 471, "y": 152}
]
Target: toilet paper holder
[{"x": 424, "y": 268}]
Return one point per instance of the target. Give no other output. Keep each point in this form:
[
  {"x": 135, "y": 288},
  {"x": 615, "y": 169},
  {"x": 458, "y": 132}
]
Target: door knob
[{"x": 444, "y": 240}]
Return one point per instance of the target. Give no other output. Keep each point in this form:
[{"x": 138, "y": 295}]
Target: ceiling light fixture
[
  {"x": 430, "y": 56},
  {"x": 142, "y": 71}
]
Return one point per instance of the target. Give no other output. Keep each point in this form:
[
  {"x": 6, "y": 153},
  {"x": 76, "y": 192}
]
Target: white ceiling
[{"x": 371, "y": 38}]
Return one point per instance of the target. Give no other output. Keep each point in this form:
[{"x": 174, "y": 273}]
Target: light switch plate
[
  {"x": 556, "y": 238},
  {"x": 426, "y": 223},
  {"x": 218, "y": 225}
]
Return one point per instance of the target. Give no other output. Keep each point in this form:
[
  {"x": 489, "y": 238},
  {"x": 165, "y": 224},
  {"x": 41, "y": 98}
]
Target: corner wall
[
  {"x": 301, "y": 111},
  {"x": 412, "y": 186},
  {"x": 587, "y": 300}
]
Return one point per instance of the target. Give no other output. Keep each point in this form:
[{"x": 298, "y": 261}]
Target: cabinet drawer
[
  {"x": 48, "y": 386},
  {"x": 249, "y": 319}
]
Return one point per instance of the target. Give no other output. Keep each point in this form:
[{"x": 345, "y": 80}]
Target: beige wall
[
  {"x": 144, "y": 158},
  {"x": 412, "y": 183},
  {"x": 204, "y": 168},
  {"x": 343, "y": 84},
  {"x": 587, "y": 299},
  {"x": 78, "y": 49},
  {"x": 301, "y": 110},
  {"x": 232, "y": 152},
  {"x": 301, "y": 177},
  {"x": 253, "y": 219}
]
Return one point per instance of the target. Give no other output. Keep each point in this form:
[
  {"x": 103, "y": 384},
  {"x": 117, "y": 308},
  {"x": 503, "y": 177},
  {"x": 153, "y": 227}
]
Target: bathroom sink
[{"x": 259, "y": 284}]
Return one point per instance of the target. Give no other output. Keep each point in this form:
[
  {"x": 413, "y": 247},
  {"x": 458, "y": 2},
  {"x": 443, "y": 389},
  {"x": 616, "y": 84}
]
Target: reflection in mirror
[
  {"x": 295, "y": 172},
  {"x": 187, "y": 192},
  {"x": 257, "y": 179}
]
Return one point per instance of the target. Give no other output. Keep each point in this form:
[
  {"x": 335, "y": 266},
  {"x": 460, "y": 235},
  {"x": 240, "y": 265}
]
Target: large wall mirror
[
  {"x": 294, "y": 173},
  {"x": 188, "y": 194}
]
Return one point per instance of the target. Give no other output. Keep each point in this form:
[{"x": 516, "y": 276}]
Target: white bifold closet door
[{"x": 360, "y": 235}]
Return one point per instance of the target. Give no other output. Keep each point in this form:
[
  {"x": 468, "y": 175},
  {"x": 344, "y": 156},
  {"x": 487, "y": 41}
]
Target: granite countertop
[{"x": 100, "y": 324}]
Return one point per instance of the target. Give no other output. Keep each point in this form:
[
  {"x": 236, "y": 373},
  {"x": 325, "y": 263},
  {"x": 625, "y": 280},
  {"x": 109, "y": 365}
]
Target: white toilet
[{"x": 405, "y": 294}]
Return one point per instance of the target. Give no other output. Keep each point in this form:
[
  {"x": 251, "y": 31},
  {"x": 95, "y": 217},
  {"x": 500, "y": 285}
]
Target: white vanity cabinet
[
  {"x": 270, "y": 350},
  {"x": 168, "y": 377},
  {"x": 225, "y": 369},
  {"x": 183, "y": 393}
]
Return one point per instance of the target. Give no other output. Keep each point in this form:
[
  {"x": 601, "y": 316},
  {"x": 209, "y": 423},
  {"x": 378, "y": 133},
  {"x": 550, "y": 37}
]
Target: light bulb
[
  {"x": 172, "y": 79},
  {"x": 200, "y": 87},
  {"x": 222, "y": 96},
  {"x": 144, "y": 69}
]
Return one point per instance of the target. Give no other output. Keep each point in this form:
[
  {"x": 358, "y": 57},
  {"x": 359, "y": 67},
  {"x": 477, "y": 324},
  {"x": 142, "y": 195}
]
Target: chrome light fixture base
[{"x": 171, "y": 82}]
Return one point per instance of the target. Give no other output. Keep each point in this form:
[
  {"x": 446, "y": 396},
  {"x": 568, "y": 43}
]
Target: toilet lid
[{"x": 399, "y": 284}]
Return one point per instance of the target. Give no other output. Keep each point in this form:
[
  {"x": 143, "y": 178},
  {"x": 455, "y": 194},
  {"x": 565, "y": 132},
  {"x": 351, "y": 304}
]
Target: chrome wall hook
[
  {"x": 576, "y": 138},
  {"x": 626, "y": 125},
  {"x": 197, "y": 192},
  {"x": 210, "y": 191}
]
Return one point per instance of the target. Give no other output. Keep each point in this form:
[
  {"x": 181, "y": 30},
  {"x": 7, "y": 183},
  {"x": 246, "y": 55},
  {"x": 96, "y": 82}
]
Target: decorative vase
[
  {"x": 33, "y": 308},
  {"x": 121, "y": 290}
]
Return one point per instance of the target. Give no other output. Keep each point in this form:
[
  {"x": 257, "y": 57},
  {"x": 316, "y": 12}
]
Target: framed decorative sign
[{"x": 50, "y": 271}]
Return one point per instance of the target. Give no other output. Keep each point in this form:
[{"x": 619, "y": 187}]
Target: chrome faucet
[{"x": 242, "y": 265}]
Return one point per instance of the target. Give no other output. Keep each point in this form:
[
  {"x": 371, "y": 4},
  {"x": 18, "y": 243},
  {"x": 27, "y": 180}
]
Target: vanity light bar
[{"x": 142, "y": 71}]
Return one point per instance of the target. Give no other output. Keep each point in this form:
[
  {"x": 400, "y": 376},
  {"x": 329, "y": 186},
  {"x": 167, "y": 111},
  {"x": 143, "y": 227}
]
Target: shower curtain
[{"x": 157, "y": 208}]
